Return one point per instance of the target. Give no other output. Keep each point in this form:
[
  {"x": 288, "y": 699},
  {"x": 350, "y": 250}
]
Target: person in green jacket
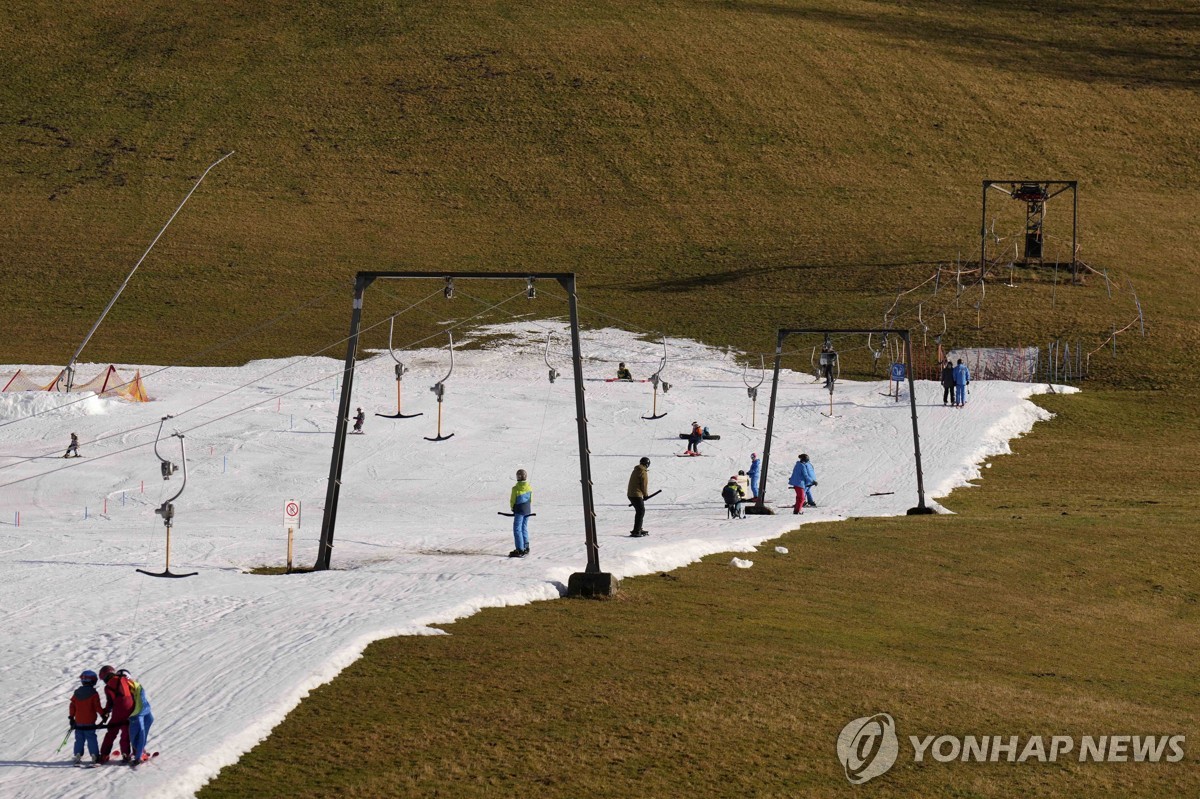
[{"x": 521, "y": 502}]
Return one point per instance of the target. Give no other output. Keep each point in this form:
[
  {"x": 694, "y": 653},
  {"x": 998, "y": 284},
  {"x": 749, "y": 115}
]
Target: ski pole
[{"x": 64, "y": 741}]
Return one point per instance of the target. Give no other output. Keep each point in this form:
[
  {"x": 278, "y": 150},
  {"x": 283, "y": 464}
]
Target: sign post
[{"x": 291, "y": 520}]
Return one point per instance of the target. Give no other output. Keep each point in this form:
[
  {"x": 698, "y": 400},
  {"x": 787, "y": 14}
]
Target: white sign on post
[{"x": 291, "y": 514}]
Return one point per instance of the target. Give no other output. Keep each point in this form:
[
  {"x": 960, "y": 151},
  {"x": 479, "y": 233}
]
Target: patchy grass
[
  {"x": 1061, "y": 599},
  {"x": 273, "y": 570},
  {"x": 742, "y": 164}
]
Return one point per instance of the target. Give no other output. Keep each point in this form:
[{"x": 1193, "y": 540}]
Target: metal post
[
  {"x": 912, "y": 402},
  {"x": 983, "y": 233},
  {"x": 590, "y": 582},
  {"x": 70, "y": 369},
  {"x": 325, "y": 552},
  {"x": 1074, "y": 230},
  {"x": 759, "y": 506}
]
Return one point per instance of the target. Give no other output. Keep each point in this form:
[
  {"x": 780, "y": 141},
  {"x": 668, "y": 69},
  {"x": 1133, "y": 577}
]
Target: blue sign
[{"x": 897, "y": 372}]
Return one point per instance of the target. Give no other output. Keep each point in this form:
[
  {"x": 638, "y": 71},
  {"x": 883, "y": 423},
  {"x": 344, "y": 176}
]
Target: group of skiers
[
  {"x": 125, "y": 714},
  {"x": 955, "y": 379},
  {"x": 741, "y": 488}
]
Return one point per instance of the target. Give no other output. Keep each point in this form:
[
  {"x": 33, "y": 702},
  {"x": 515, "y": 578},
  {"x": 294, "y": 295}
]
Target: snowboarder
[
  {"x": 752, "y": 473},
  {"x": 72, "y": 447},
  {"x": 733, "y": 496},
  {"x": 85, "y": 708},
  {"x": 694, "y": 439},
  {"x": 140, "y": 720},
  {"x": 623, "y": 373},
  {"x": 637, "y": 491},
  {"x": 947, "y": 383},
  {"x": 359, "y": 418},
  {"x": 116, "y": 712},
  {"x": 962, "y": 379},
  {"x": 521, "y": 503},
  {"x": 803, "y": 478}
]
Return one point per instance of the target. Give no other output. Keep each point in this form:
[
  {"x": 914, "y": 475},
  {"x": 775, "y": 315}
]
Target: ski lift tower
[{"x": 1035, "y": 194}]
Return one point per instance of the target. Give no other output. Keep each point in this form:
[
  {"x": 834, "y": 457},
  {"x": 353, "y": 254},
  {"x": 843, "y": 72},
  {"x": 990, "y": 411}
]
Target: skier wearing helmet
[
  {"x": 85, "y": 707},
  {"x": 120, "y": 704}
]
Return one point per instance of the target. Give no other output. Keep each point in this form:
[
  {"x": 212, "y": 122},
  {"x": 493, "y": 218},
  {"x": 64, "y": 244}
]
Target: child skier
[
  {"x": 85, "y": 708},
  {"x": 116, "y": 712},
  {"x": 72, "y": 447},
  {"x": 694, "y": 439},
  {"x": 521, "y": 503},
  {"x": 139, "y": 723},
  {"x": 753, "y": 472},
  {"x": 359, "y": 418},
  {"x": 623, "y": 373}
]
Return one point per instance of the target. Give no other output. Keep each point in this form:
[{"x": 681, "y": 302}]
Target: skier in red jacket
[
  {"x": 120, "y": 705},
  {"x": 85, "y": 707}
]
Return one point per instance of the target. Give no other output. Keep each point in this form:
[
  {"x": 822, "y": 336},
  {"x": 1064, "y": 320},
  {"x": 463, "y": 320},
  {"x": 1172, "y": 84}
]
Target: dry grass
[{"x": 765, "y": 162}]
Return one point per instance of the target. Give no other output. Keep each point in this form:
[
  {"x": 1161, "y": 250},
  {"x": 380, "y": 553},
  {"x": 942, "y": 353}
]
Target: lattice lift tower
[{"x": 1035, "y": 194}]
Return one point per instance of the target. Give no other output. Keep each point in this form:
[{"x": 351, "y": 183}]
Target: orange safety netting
[{"x": 108, "y": 383}]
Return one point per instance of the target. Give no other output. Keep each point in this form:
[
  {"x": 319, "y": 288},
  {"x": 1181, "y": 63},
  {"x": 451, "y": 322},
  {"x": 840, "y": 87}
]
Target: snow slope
[{"x": 225, "y": 654}]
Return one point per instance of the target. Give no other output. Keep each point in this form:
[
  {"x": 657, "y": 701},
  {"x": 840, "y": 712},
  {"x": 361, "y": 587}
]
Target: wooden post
[{"x": 289, "y": 557}]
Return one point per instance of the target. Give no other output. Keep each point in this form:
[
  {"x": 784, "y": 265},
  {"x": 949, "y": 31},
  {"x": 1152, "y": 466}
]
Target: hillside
[{"x": 734, "y": 156}]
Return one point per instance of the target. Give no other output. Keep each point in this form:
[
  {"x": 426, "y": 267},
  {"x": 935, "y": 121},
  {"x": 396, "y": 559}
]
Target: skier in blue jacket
[
  {"x": 962, "y": 376},
  {"x": 521, "y": 502},
  {"x": 803, "y": 478},
  {"x": 752, "y": 473}
]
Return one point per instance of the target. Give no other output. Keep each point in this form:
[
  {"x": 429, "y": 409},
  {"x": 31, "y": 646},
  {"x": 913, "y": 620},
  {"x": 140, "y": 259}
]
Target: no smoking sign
[{"x": 291, "y": 513}]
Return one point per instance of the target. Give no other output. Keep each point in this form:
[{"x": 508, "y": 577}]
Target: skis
[{"x": 689, "y": 455}]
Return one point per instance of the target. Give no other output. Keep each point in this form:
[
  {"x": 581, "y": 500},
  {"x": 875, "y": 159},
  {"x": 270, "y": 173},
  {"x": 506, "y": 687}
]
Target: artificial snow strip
[{"x": 225, "y": 655}]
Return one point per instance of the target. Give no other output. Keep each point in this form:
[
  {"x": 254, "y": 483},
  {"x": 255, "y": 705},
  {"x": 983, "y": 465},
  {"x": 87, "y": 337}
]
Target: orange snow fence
[{"x": 108, "y": 383}]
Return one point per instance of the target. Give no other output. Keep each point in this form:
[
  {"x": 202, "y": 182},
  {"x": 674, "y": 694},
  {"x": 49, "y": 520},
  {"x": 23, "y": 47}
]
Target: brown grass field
[{"x": 713, "y": 170}]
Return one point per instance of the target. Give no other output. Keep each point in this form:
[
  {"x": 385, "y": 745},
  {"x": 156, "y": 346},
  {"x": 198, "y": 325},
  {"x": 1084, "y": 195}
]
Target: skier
[
  {"x": 140, "y": 720},
  {"x": 803, "y": 478},
  {"x": 828, "y": 360},
  {"x": 733, "y": 496},
  {"x": 72, "y": 447},
  {"x": 694, "y": 439},
  {"x": 637, "y": 491},
  {"x": 947, "y": 382},
  {"x": 116, "y": 713},
  {"x": 962, "y": 379},
  {"x": 521, "y": 503},
  {"x": 85, "y": 707},
  {"x": 359, "y": 418},
  {"x": 623, "y": 373},
  {"x": 743, "y": 482},
  {"x": 752, "y": 473}
]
